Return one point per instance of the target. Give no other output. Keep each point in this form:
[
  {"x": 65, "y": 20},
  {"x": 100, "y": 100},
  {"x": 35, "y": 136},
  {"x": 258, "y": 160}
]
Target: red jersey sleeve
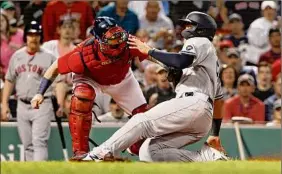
[
  {"x": 71, "y": 62},
  {"x": 137, "y": 53}
]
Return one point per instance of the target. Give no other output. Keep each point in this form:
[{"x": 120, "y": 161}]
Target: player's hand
[
  {"x": 36, "y": 101},
  {"x": 214, "y": 142},
  {"x": 5, "y": 112},
  {"x": 60, "y": 111},
  {"x": 135, "y": 43}
]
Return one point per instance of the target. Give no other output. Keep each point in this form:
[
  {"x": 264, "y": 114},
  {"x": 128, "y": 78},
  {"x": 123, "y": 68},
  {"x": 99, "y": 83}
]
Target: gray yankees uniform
[
  {"x": 178, "y": 122},
  {"x": 25, "y": 71}
]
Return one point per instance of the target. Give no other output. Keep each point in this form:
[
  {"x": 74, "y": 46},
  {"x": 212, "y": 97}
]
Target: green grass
[{"x": 230, "y": 167}]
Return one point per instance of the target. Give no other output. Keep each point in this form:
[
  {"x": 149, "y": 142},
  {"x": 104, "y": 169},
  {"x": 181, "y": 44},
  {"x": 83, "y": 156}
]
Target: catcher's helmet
[
  {"x": 203, "y": 25},
  {"x": 111, "y": 37},
  {"x": 33, "y": 27}
]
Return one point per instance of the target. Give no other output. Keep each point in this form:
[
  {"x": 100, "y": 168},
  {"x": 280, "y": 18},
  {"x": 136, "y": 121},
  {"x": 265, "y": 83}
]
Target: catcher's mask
[
  {"x": 113, "y": 42},
  {"x": 112, "y": 38}
]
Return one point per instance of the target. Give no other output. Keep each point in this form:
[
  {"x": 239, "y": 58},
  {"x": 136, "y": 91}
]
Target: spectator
[
  {"x": 269, "y": 102},
  {"x": 264, "y": 88},
  {"x": 218, "y": 11},
  {"x": 64, "y": 44},
  {"x": 97, "y": 5},
  {"x": 275, "y": 43},
  {"x": 34, "y": 11},
  {"x": 59, "y": 48},
  {"x": 237, "y": 35},
  {"x": 26, "y": 68},
  {"x": 234, "y": 59},
  {"x": 259, "y": 29},
  {"x": 162, "y": 91},
  {"x": 57, "y": 9},
  {"x": 276, "y": 69},
  {"x": 116, "y": 114},
  {"x": 9, "y": 9},
  {"x": 152, "y": 21},
  {"x": 143, "y": 35},
  {"x": 163, "y": 39},
  {"x": 244, "y": 104},
  {"x": 222, "y": 48},
  {"x": 276, "y": 114},
  {"x": 179, "y": 9},
  {"x": 228, "y": 78},
  {"x": 125, "y": 17},
  {"x": 9, "y": 42},
  {"x": 139, "y": 7},
  {"x": 150, "y": 75},
  {"x": 249, "y": 10}
]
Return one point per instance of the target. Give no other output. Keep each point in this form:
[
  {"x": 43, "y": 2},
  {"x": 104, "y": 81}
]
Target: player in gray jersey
[
  {"x": 171, "y": 125},
  {"x": 25, "y": 70}
]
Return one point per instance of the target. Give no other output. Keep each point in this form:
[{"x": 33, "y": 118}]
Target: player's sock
[{"x": 134, "y": 149}]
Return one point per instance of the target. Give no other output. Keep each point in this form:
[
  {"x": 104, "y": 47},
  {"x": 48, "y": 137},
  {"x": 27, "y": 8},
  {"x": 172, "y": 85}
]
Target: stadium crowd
[{"x": 248, "y": 44}]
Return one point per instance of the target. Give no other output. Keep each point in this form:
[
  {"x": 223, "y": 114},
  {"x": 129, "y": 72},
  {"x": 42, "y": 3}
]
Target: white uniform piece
[
  {"x": 127, "y": 93},
  {"x": 108, "y": 117},
  {"x": 181, "y": 121},
  {"x": 52, "y": 47}
]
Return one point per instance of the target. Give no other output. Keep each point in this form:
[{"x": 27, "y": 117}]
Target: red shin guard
[{"x": 80, "y": 118}]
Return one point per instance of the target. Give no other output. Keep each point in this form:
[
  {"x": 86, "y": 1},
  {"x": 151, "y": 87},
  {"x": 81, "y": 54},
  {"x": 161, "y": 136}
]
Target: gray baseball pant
[
  {"x": 173, "y": 124},
  {"x": 34, "y": 126}
]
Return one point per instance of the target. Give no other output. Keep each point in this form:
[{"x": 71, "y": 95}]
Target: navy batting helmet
[
  {"x": 33, "y": 27},
  {"x": 102, "y": 25},
  {"x": 203, "y": 25}
]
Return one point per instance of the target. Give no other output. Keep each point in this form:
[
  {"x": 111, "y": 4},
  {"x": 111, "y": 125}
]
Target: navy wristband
[
  {"x": 44, "y": 85},
  {"x": 216, "y": 123}
]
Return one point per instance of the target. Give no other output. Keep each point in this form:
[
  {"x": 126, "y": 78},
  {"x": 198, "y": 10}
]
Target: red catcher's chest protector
[{"x": 101, "y": 69}]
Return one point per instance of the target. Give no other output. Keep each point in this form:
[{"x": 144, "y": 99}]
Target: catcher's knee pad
[
  {"x": 80, "y": 118},
  {"x": 140, "y": 109}
]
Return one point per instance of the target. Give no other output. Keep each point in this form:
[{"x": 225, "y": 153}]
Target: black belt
[
  {"x": 28, "y": 102},
  {"x": 187, "y": 94}
]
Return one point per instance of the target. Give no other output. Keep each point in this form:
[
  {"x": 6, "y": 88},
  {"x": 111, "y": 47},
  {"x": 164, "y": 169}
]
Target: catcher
[{"x": 99, "y": 64}]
